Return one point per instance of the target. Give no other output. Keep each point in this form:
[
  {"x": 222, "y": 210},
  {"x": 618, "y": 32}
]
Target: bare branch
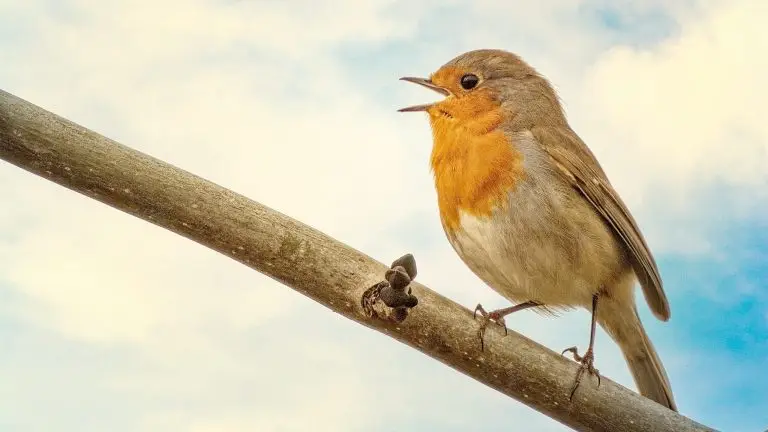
[{"x": 315, "y": 265}]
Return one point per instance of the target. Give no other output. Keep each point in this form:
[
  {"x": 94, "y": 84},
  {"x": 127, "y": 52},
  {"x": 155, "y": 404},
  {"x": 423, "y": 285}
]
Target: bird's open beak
[{"x": 428, "y": 84}]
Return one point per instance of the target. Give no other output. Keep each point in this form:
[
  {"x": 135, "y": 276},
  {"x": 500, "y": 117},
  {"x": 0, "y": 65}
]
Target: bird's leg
[
  {"x": 588, "y": 360},
  {"x": 497, "y": 316}
]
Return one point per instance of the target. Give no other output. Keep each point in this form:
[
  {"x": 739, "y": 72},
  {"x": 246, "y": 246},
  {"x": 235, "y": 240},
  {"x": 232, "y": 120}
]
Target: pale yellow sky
[{"x": 265, "y": 98}]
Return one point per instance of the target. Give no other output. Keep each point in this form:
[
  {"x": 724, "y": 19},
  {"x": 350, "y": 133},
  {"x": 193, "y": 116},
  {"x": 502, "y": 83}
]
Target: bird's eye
[{"x": 469, "y": 81}]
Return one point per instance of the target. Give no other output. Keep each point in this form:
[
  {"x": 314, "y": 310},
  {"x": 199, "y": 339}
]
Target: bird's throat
[{"x": 475, "y": 168}]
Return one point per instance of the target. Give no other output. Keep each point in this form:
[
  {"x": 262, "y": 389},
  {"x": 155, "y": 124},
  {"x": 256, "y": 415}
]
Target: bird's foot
[
  {"x": 587, "y": 364},
  {"x": 497, "y": 317},
  {"x": 486, "y": 318}
]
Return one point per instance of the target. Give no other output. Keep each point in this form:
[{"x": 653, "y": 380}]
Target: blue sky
[{"x": 110, "y": 323}]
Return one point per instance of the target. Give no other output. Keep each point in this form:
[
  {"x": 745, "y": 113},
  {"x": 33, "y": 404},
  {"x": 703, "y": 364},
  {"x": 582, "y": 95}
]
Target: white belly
[{"x": 549, "y": 246}]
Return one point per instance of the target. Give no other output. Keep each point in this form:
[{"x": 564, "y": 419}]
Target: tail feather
[{"x": 643, "y": 361}]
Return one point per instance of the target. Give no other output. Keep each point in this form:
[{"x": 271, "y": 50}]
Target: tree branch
[{"x": 315, "y": 265}]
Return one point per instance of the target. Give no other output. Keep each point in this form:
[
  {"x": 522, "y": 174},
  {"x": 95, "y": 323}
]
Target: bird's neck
[{"x": 474, "y": 164}]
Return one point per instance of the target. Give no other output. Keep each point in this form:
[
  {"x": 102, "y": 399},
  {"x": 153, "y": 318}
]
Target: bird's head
[{"x": 478, "y": 83}]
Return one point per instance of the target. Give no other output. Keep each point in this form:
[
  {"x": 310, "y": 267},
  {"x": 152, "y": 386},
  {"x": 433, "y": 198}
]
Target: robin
[{"x": 529, "y": 210}]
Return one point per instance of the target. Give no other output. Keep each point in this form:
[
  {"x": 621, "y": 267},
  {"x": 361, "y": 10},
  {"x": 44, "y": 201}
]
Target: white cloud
[
  {"x": 210, "y": 88},
  {"x": 263, "y": 393},
  {"x": 228, "y": 121},
  {"x": 250, "y": 95},
  {"x": 121, "y": 280},
  {"x": 684, "y": 115},
  {"x": 692, "y": 105}
]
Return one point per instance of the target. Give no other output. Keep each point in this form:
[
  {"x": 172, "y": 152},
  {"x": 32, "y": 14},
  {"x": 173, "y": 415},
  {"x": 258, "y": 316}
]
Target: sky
[{"x": 110, "y": 323}]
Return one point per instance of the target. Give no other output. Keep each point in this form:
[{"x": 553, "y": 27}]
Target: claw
[
  {"x": 587, "y": 364},
  {"x": 588, "y": 361},
  {"x": 484, "y": 320},
  {"x": 478, "y": 308},
  {"x": 497, "y": 316},
  {"x": 574, "y": 353}
]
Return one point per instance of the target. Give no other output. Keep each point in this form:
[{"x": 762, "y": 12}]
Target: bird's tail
[{"x": 643, "y": 361}]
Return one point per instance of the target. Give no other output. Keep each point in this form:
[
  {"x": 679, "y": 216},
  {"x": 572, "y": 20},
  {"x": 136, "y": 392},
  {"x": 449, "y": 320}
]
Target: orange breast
[{"x": 474, "y": 164}]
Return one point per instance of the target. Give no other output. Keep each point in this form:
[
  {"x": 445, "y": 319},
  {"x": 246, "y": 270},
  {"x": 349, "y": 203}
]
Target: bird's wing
[{"x": 580, "y": 167}]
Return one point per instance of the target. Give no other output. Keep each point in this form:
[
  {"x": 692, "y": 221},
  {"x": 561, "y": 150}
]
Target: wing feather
[{"x": 580, "y": 167}]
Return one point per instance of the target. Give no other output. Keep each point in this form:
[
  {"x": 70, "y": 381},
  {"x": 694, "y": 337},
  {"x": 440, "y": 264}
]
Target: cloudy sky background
[{"x": 110, "y": 323}]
